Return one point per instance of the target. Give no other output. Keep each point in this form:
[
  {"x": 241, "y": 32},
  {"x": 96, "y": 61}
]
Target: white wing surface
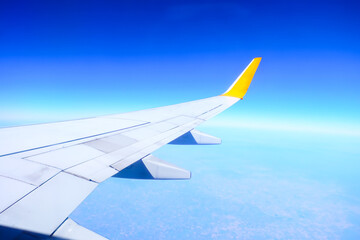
[{"x": 47, "y": 170}]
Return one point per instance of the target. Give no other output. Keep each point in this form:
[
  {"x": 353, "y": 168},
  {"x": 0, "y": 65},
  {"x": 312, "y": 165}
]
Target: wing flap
[
  {"x": 93, "y": 170},
  {"x": 66, "y": 157},
  {"x": 13, "y": 190},
  {"x": 26, "y": 171},
  {"x": 46, "y": 207}
]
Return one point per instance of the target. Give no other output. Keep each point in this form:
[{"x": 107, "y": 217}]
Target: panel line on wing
[
  {"x": 211, "y": 109},
  {"x": 19, "y": 180},
  {"x": 73, "y": 140},
  {"x": 28, "y": 193}
]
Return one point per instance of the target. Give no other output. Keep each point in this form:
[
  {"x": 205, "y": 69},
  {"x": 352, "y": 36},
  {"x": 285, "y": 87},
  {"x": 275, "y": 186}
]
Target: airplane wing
[{"x": 47, "y": 170}]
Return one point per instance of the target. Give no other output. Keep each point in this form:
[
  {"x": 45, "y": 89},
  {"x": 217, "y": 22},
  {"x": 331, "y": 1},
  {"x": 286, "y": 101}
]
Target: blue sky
[
  {"x": 82, "y": 58},
  {"x": 290, "y": 147}
]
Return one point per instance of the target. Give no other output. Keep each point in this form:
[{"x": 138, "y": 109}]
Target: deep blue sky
[{"x": 172, "y": 28}]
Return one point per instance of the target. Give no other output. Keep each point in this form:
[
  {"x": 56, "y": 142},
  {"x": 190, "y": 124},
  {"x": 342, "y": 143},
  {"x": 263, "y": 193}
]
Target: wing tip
[{"x": 240, "y": 86}]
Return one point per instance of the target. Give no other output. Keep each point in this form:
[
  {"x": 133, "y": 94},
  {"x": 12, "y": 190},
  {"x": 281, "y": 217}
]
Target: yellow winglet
[{"x": 240, "y": 86}]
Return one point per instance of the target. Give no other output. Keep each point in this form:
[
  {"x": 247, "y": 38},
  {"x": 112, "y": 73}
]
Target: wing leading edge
[{"x": 47, "y": 170}]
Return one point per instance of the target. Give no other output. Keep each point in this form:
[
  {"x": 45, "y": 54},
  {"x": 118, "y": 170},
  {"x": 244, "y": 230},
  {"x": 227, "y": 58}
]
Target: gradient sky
[
  {"x": 288, "y": 165},
  {"x": 69, "y": 59}
]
